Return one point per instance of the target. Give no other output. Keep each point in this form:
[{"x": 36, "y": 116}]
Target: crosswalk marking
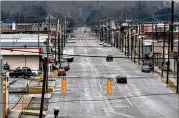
[{"x": 121, "y": 106}]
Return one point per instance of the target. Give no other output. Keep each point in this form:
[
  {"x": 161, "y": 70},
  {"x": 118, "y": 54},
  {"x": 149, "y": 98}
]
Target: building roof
[
  {"x": 22, "y": 44},
  {"x": 22, "y": 37}
]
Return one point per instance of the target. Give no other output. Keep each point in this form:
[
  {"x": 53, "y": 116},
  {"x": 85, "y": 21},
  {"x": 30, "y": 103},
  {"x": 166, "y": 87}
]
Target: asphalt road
[{"x": 144, "y": 96}]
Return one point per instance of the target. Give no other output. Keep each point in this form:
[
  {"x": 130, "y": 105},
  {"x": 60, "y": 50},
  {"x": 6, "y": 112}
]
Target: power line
[{"x": 82, "y": 55}]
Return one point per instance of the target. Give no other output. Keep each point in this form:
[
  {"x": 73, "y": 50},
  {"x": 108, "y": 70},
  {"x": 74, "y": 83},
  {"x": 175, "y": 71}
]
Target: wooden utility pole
[
  {"x": 172, "y": 20},
  {"x": 49, "y": 39},
  {"x": 163, "y": 56},
  {"x": 59, "y": 45},
  {"x": 168, "y": 62},
  {"x": 43, "y": 86},
  {"x": 177, "y": 91},
  {"x": 38, "y": 35},
  {"x": 128, "y": 40}
]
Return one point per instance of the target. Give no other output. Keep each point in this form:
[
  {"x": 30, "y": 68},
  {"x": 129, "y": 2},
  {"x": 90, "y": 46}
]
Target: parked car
[
  {"x": 121, "y": 79},
  {"x": 36, "y": 72},
  {"x": 61, "y": 72},
  {"x": 109, "y": 45},
  {"x": 150, "y": 64},
  {"x": 23, "y": 72},
  {"x": 65, "y": 65},
  {"x": 101, "y": 43},
  {"x": 105, "y": 44},
  {"x": 70, "y": 41},
  {"x": 145, "y": 68}
]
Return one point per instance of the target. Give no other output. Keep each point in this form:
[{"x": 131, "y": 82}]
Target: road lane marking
[
  {"x": 123, "y": 114},
  {"x": 108, "y": 104},
  {"x": 121, "y": 106},
  {"x": 119, "y": 88},
  {"x": 100, "y": 87},
  {"x": 129, "y": 101}
]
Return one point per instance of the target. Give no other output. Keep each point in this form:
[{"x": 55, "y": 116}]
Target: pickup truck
[{"x": 23, "y": 72}]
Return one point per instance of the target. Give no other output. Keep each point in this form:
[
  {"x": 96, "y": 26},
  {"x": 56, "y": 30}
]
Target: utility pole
[
  {"x": 59, "y": 45},
  {"x": 38, "y": 35},
  {"x": 128, "y": 39},
  {"x": 122, "y": 41},
  {"x": 65, "y": 29},
  {"x": 125, "y": 43},
  {"x": 45, "y": 63},
  {"x": 62, "y": 39},
  {"x": 139, "y": 43},
  {"x": 177, "y": 91},
  {"x": 172, "y": 20},
  {"x": 132, "y": 42},
  {"x": 163, "y": 58},
  {"x": 152, "y": 45},
  {"x": 168, "y": 62},
  {"x": 49, "y": 38}
]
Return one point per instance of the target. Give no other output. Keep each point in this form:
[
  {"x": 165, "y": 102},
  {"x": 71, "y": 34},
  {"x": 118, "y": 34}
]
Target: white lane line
[
  {"x": 119, "y": 88},
  {"x": 108, "y": 104},
  {"x": 123, "y": 115},
  {"x": 129, "y": 101},
  {"x": 100, "y": 87}
]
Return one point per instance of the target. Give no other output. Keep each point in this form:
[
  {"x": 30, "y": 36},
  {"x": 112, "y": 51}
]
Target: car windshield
[{"x": 146, "y": 66}]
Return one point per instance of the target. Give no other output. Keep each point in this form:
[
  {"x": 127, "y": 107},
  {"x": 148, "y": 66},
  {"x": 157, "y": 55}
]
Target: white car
[
  {"x": 105, "y": 44},
  {"x": 70, "y": 41},
  {"x": 36, "y": 72},
  {"x": 109, "y": 45},
  {"x": 101, "y": 43}
]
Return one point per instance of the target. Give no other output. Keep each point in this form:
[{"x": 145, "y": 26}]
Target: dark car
[
  {"x": 145, "y": 68},
  {"x": 23, "y": 72},
  {"x": 121, "y": 79},
  {"x": 68, "y": 58},
  {"x": 150, "y": 64}
]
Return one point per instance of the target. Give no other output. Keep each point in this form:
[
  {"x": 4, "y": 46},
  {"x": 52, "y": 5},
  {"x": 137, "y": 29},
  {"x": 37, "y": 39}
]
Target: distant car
[
  {"x": 101, "y": 43},
  {"x": 61, "y": 72},
  {"x": 121, "y": 79},
  {"x": 68, "y": 58},
  {"x": 145, "y": 68},
  {"x": 23, "y": 72},
  {"x": 65, "y": 65},
  {"x": 70, "y": 41},
  {"x": 150, "y": 64},
  {"x": 109, "y": 45},
  {"x": 36, "y": 72},
  {"x": 62, "y": 60},
  {"x": 105, "y": 44}
]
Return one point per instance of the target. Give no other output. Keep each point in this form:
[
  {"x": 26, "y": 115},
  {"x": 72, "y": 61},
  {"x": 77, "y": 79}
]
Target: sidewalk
[
  {"x": 21, "y": 107},
  {"x": 18, "y": 108}
]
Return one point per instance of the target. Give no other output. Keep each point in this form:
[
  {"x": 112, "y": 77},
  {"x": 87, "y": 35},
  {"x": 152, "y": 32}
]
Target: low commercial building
[{"x": 24, "y": 49}]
